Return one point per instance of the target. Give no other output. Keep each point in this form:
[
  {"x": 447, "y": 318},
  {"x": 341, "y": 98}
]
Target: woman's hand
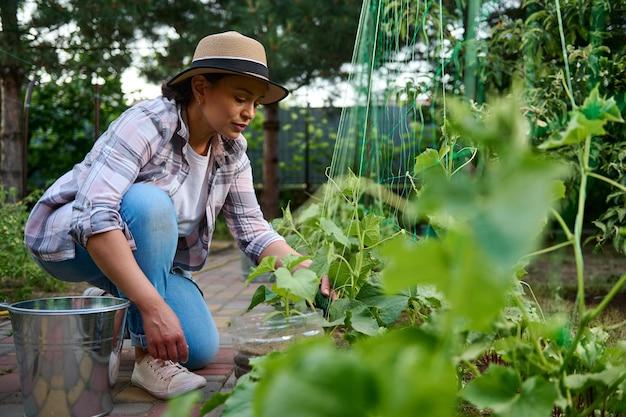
[
  {"x": 110, "y": 251},
  {"x": 326, "y": 289},
  {"x": 166, "y": 339}
]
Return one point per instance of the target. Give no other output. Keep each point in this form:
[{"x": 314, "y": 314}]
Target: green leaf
[
  {"x": 261, "y": 295},
  {"x": 314, "y": 379},
  {"x": 361, "y": 320},
  {"x": 390, "y": 307},
  {"x": 291, "y": 261},
  {"x": 311, "y": 212},
  {"x": 337, "y": 310},
  {"x": 182, "y": 406},
  {"x": 558, "y": 190},
  {"x": 268, "y": 264},
  {"x": 287, "y": 217},
  {"x": 339, "y": 274},
  {"x": 499, "y": 389},
  {"x": 303, "y": 283},
  {"x": 322, "y": 259},
  {"x": 578, "y": 129},
  {"x": 455, "y": 265},
  {"x": 370, "y": 229},
  {"x": 596, "y": 108},
  {"x": 332, "y": 230},
  {"x": 537, "y": 398},
  {"x": 424, "y": 379},
  {"x": 427, "y": 159},
  {"x": 239, "y": 404},
  {"x": 607, "y": 378},
  {"x": 494, "y": 389},
  {"x": 215, "y": 401}
]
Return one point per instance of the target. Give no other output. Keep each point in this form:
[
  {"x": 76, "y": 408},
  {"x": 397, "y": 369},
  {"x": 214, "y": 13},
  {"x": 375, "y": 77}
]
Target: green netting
[{"x": 399, "y": 83}]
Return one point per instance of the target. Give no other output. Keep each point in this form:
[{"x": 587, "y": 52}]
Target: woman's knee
[{"x": 146, "y": 205}]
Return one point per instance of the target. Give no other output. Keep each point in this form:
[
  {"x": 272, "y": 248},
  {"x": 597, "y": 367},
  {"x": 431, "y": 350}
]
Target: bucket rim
[{"x": 14, "y": 307}]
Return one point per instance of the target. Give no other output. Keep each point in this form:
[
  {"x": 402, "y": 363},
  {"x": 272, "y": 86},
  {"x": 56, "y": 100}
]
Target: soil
[{"x": 555, "y": 274}]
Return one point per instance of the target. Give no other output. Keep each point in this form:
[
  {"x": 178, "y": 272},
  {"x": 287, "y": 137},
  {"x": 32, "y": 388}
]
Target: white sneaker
[
  {"x": 94, "y": 292},
  {"x": 164, "y": 379}
]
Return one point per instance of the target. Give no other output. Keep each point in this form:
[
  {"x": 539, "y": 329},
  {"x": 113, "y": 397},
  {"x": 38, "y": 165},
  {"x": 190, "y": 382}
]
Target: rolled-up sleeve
[
  {"x": 244, "y": 217},
  {"x": 114, "y": 164}
]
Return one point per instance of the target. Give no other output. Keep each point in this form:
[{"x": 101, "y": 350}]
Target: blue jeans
[{"x": 149, "y": 213}]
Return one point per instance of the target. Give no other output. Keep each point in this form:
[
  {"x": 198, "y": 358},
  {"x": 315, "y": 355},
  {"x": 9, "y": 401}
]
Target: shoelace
[{"x": 166, "y": 369}]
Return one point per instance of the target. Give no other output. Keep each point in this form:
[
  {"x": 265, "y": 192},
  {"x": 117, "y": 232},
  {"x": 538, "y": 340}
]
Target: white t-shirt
[{"x": 191, "y": 198}]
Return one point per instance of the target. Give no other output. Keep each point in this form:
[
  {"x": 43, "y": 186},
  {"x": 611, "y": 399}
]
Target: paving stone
[
  {"x": 210, "y": 389},
  {"x": 8, "y": 360},
  {"x": 12, "y": 398},
  {"x": 119, "y": 387},
  {"x": 132, "y": 394},
  {"x": 8, "y": 340},
  {"x": 239, "y": 305},
  {"x": 158, "y": 409},
  {"x": 216, "y": 378},
  {"x": 131, "y": 409},
  {"x": 216, "y": 370},
  {"x": 224, "y": 355},
  {"x": 6, "y": 348},
  {"x": 11, "y": 410},
  {"x": 228, "y": 311},
  {"x": 230, "y": 382},
  {"x": 222, "y": 322},
  {"x": 10, "y": 382}
]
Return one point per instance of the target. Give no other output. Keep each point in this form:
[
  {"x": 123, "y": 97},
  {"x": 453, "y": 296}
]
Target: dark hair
[{"x": 181, "y": 92}]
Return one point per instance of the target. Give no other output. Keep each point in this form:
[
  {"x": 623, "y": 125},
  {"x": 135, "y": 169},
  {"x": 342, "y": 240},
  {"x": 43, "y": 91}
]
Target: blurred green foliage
[
  {"x": 19, "y": 274},
  {"x": 61, "y": 123}
]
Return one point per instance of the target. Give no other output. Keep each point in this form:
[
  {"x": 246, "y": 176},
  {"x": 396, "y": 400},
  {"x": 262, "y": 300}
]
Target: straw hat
[{"x": 232, "y": 53}]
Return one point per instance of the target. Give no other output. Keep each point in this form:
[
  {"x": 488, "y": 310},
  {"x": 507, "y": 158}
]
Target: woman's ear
[{"x": 198, "y": 88}]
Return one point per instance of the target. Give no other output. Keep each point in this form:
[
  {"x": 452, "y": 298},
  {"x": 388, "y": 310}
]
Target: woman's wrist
[{"x": 149, "y": 302}]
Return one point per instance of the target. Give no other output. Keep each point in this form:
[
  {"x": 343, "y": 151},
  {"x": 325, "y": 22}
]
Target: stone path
[{"x": 222, "y": 284}]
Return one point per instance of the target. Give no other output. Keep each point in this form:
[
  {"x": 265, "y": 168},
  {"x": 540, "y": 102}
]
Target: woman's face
[{"x": 230, "y": 104}]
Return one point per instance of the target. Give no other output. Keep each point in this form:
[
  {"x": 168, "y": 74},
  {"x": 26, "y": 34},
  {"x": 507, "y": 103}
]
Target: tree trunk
[
  {"x": 270, "y": 197},
  {"x": 11, "y": 77},
  {"x": 11, "y": 152}
]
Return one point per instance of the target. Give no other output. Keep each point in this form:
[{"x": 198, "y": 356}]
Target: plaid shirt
[{"x": 146, "y": 145}]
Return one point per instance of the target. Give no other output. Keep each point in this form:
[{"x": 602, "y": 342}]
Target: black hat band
[{"x": 234, "y": 64}]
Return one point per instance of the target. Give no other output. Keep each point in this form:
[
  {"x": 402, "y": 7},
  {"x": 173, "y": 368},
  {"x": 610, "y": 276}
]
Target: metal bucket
[{"x": 68, "y": 353}]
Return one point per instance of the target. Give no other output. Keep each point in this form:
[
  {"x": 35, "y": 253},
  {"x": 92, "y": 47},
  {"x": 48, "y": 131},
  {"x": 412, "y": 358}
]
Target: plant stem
[
  {"x": 287, "y": 312},
  {"x": 578, "y": 228},
  {"x": 345, "y": 261},
  {"x": 532, "y": 293},
  {"x": 607, "y": 298},
  {"x": 607, "y": 180},
  {"x": 534, "y": 340},
  {"x": 400, "y": 232},
  {"x": 601, "y": 398},
  {"x": 557, "y": 216},
  {"x": 293, "y": 229},
  {"x": 550, "y": 249},
  {"x": 564, "y": 50}
]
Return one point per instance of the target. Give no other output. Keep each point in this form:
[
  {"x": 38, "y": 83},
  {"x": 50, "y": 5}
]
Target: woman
[{"x": 136, "y": 216}]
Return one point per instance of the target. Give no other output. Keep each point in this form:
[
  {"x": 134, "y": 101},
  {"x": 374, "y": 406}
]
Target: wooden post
[{"x": 271, "y": 192}]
